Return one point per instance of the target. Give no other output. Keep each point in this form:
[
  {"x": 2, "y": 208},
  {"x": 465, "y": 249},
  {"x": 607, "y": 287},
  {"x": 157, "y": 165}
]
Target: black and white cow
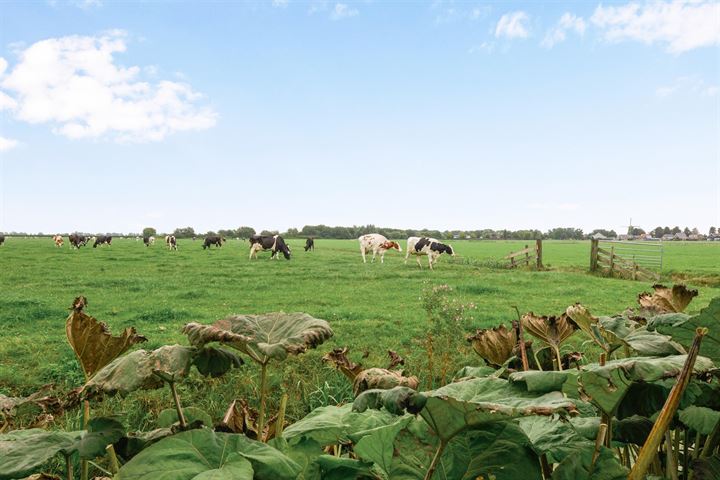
[
  {"x": 148, "y": 240},
  {"x": 2, "y": 238},
  {"x": 216, "y": 240},
  {"x": 310, "y": 244},
  {"x": 77, "y": 240},
  {"x": 427, "y": 246},
  {"x": 171, "y": 242},
  {"x": 102, "y": 240},
  {"x": 274, "y": 243}
]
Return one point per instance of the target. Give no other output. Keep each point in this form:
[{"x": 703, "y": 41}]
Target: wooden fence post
[
  {"x": 538, "y": 253},
  {"x": 612, "y": 259},
  {"x": 527, "y": 256},
  {"x": 594, "y": 254}
]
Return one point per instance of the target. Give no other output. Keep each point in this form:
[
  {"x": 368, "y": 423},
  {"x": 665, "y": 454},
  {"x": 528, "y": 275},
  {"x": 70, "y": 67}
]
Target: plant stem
[
  {"x": 114, "y": 463},
  {"x": 670, "y": 460},
  {"x": 178, "y": 407},
  {"x": 68, "y": 467},
  {"x": 599, "y": 442},
  {"x": 86, "y": 420},
  {"x": 546, "y": 467},
  {"x": 281, "y": 416},
  {"x": 261, "y": 420},
  {"x": 712, "y": 441},
  {"x": 557, "y": 356},
  {"x": 435, "y": 460},
  {"x": 649, "y": 449}
]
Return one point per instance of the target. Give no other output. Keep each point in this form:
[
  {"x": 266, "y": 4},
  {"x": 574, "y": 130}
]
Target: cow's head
[
  {"x": 448, "y": 249},
  {"x": 285, "y": 250},
  {"x": 389, "y": 245}
]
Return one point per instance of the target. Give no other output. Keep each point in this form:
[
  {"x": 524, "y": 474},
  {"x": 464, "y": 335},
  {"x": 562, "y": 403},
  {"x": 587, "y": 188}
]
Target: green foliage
[
  {"x": 149, "y": 232},
  {"x": 23, "y": 452},
  {"x": 169, "y": 417},
  {"x": 206, "y": 454}
]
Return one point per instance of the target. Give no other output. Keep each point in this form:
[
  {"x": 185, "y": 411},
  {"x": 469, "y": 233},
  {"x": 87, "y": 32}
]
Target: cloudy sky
[{"x": 276, "y": 114}]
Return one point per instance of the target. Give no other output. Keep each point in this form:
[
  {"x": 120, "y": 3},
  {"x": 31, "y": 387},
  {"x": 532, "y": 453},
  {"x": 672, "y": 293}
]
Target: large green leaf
[
  {"x": 633, "y": 429},
  {"x": 263, "y": 337},
  {"x": 135, "y": 370},
  {"x": 580, "y": 467},
  {"x": 168, "y": 417},
  {"x": 215, "y": 362},
  {"x": 500, "y": 450},
  {"x": 700, "y": 419},
  {"x": 682, "y": 328},
  {"x": 332, "y": 425},
  {"x": 553, "y": 437},
  {"x": 23, "y": 452},
  {"x": 474, "y": 402},
  {"x": 607, "y": 385},
  {"x": 540, "y": 381},
  {"x": 376, "y": 445},
  {"x": 205, "y": 454},
  {"x": 343, "y": 468},
  {"x": 397, "y": 400}
]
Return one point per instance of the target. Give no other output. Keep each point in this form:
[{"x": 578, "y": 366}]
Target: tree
[
  {"x": 245, "y": 232},
  {"x": 667, "y": 231},
  {"x": 712, "y": 231},
  {"x": 187, "y": 232},
  {"x": 675, "y": 230},
  {"x": 268, "y": 232},
  {"x": 149, "y": 232},
  {"x": 658, "y": 232},
  {"x": 687, "y": 231},
  {"x": 695, "y": 231},
  {"x": 636, "y": 231}
]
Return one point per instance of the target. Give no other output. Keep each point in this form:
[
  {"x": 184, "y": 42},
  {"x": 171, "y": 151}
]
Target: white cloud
[
  {"x": 342, "y": 10},
  {"x": 280, "y": 3},
  {"x": 513, "y": 25},
  {"x": 568, "y": 22},
  {"x": 74, "y": 84},
  {"x": 484, "y": 47},
  {"x": 7, "y": 144},
  {"x": 687, "y": 85},
  {"x": 681, "y": 24}
]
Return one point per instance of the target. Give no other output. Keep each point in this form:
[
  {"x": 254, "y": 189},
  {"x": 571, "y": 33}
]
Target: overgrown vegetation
[{"x": 645, "y": 403}]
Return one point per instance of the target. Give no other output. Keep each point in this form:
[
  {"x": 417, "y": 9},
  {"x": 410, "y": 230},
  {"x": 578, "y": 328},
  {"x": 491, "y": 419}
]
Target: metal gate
[{"x": 636, "y": 260}]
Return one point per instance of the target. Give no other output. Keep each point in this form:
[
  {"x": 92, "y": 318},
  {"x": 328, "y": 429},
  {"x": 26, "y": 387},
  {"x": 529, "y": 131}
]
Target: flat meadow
[{"x": 371, "y": 307}]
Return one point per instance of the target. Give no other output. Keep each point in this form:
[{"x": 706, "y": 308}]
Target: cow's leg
[
  {"x": 382, "y": 256},
  {"x": 430, "y": 261},
  {"x": 374, "y": 254},
  {"x": 362, "y": 252},
  {"x": 418, "y": 262}
]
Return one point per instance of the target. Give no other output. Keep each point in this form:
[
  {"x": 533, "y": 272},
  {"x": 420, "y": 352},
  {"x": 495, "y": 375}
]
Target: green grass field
[{"x": 371, "y": 307}]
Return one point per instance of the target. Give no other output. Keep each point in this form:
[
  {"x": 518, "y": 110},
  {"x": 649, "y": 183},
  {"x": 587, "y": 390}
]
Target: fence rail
[
  {"x": 526, "y": 256},
  {"x": 635, "y": 260}
]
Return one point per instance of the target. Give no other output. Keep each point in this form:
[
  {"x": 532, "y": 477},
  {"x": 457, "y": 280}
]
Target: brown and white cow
[
  {"x": 427, "y": 246},
  {"x": 377, "y": 244},
  {"x": 58, "y": 240}
]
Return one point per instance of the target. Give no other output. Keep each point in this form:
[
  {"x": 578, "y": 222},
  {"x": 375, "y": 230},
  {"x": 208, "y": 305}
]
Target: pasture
[{"x": 371, "y": 307}]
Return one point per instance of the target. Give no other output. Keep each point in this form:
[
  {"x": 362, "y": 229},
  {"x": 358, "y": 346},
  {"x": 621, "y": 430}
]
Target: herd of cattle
[{"x": 371, "y": 243}]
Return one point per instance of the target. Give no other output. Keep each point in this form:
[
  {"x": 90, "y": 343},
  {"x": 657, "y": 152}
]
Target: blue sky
[{"x": 120, "y": 115}]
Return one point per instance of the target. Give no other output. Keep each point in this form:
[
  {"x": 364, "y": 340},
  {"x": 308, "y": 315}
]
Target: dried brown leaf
[
  {"x": 667, "y": 300},
  {"x": 395, "y": 359},
  {"x": 92, "y": 341},
  {"x": 338, "y": 357},
  {"x": 241, "y": 418},
  {"x": 551, "y": 330},
  {"x": 381, "y": 378},
  {"x": 494, "y": 345}
]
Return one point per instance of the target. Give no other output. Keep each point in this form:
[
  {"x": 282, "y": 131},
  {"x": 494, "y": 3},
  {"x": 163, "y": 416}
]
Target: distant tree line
[{"x": 324, "y": 231}]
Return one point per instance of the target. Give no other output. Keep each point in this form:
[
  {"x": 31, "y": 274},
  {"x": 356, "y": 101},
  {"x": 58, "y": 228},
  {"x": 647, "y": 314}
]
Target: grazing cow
[
  {"x": 427, "y": 246},
  {"x": 102, "y": 240},
  {"x": 148, "y": 240},
  {"x": 77, "y": 240},
  {"x": 310, "y": 244},
  {"x": 376, "y": 243},
  {"x": 58, "y": 239},
  {"x": 2, "y": 238},
  {"x": 274, "y": 243},
  {"x": 171, "y": 242},
  {"x": 216, "y": 240}
]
